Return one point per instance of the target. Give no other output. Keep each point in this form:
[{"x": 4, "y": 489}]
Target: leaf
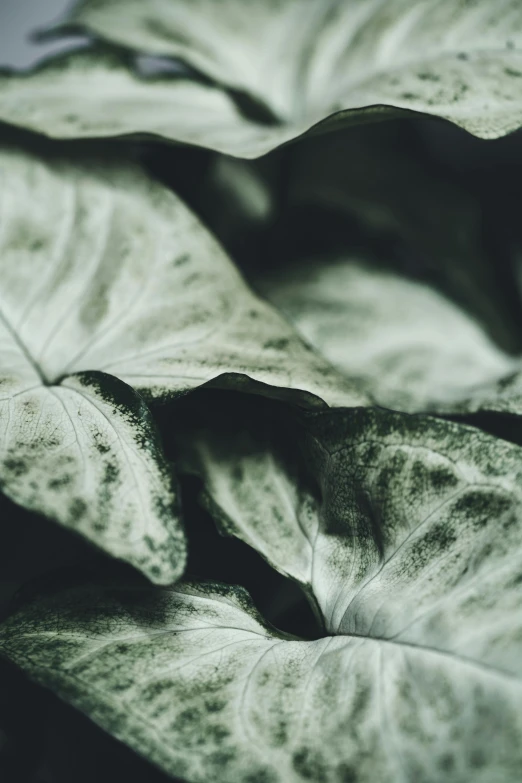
[
  {"x": 289, "y": 72},
  {"x": 412, "y": 545},
  {"x": 86, "y": 454},
  {"x": 100, "y": 93},
  {"x": 431, "y": 511},
  {"x": 397, "y": 193},
  {"x": 109, "y": 272},
  {"x": 415, "y": 561},
  {"x": 253, "y": 483},
  {"x": 412, "y": 349},
  {"x": 457, "y": 60},
  {"x": 415, "y": 522},
  {"x": 147, "y": 296},
  {"x": 191, "y": 678}
]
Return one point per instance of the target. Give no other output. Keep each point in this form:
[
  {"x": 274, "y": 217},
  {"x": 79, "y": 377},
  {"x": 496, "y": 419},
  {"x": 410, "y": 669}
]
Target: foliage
[{"x": 317, "y": 355}]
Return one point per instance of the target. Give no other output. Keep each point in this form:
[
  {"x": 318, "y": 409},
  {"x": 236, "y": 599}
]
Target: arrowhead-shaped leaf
[
  {"x": 412, "y": 544},
  {"x": 411, "y": 348},
  {"x": 192, "y": 678},
  {"x": 136, "y": 287},
  {"x": 104, "y": 271},
  {"x": 408, "y": 520}
]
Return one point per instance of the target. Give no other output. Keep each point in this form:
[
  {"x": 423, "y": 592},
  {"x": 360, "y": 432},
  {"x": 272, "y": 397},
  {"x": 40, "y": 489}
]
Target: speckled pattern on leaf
[
  {"x": 109, "y": 272},
  {"x": 87, "y": 454},
  {"x": 321, "y": 61},
  {"x": 147, "y": 295},
  {"x": 411, "y": 551},
  {"x": 411, "y": 512},
  {"x": 191, "y": 678}
]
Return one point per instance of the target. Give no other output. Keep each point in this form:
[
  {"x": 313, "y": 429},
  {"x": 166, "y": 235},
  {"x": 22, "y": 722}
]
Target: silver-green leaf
[
  {"x": 334, "y": 62},
  {"x": 86, "y": 454},
  {"x": 110, "y": 271},
  {"x": 409, "y": 524},
  {"x": 191, "y": 678},
  {"x": 105, "y": 271},
  {"x": 409, "y": 346},
  {"x": 254, "y": 488},
  {"x": 98, "y": 93}
]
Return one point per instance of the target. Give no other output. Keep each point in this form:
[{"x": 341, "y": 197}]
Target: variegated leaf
[
  {"x": 325, "y": 64},
  {"x": 411, "y": 348},
  {"x": 191, "y": 678},
  {"x": 103, "y": 270},
  {"x": 406, "y": 523},
  {"x": 133, "y": 285},
  {"x": 86, "y": 454}
]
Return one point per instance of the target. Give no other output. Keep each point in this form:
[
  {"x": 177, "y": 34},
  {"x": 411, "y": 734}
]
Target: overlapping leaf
[
  {"x": 100, "y": 93},
  {"x": 103, "y": 270},
  {"x": 328, "y": 63},
  {"x": 384, "y": 479},
  {"x": 86, "y": 453},
  {"x": 413, "y": 349},
  {"x": 397, "y": 193},
  {"x": 147, "y": 295},
  {"x": 455, "y": 60},
  {"x": 415, "y": 561},
  {"x": 404, "y": 531}
]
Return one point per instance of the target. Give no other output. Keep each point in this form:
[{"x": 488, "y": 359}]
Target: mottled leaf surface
[
  {"x": 460, "y": 61},
  {"x": 254, "y": 487},
  {"x": 411, "y": 347},
  {"x": 409, "y": 539},
  {"x": 108, "y": 272},
  {"x": 86, "y": 454},
  {"x": 405, "y": 527},
  {"x": 99, "y": 93},
  {"x": 428, "y": 516},
  {"x": 192, "y": 678}
]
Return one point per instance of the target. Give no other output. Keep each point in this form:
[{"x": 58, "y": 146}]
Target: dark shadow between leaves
[
  {"x": 505, "y": 426},
  {"x": 224, "y": 559}
]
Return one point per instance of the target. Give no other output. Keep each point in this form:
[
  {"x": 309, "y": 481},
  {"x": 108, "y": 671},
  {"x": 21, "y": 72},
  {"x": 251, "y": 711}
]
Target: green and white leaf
[
  {"x": 428, "y": 517},
  {"x": 133, "y": 285},
  {"x": 414, "y": 546},
  {"x": 254, "y": 487},
  {"x": 191, "y": 678},
  {"x": 86, "y": 454},
  {"x": 349, "y": 62},
  {"x": 99, "y": 93},
  {"x": 109, "y": 272},
  {"x": 411, "y": 348},
  {"x": 436, "y": 498},
  {"x": 148, "y": 295}
]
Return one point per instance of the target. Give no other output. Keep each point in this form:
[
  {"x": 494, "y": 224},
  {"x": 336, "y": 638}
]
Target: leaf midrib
[
  {"x": 473, "y": 663},
  {"x": 25, "y": 351}
]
